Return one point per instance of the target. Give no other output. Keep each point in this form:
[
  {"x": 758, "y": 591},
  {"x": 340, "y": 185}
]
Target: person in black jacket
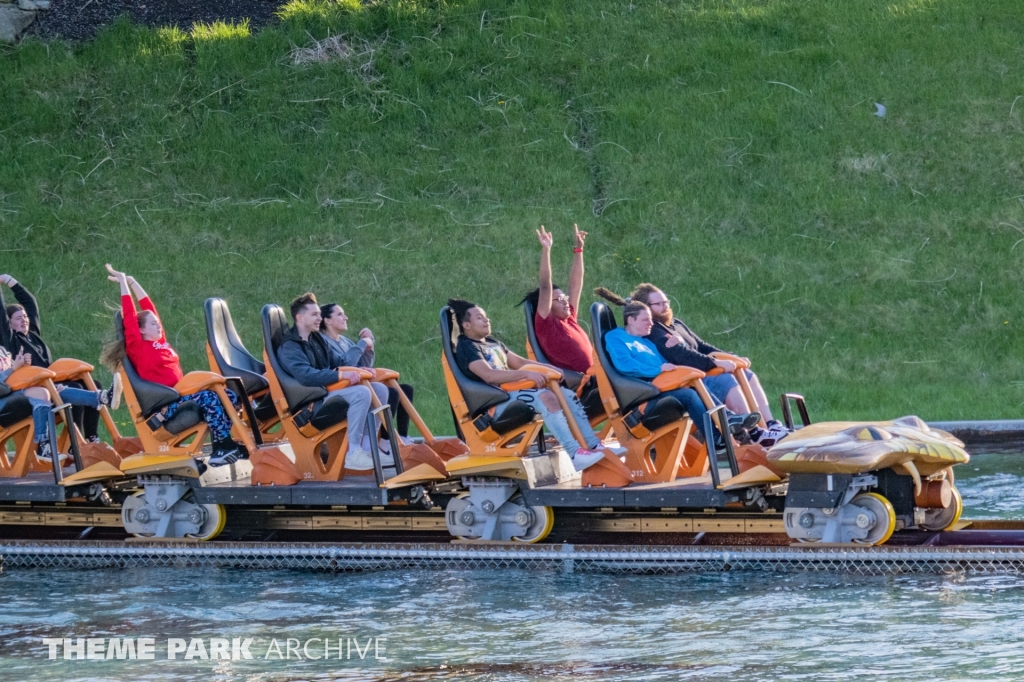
[
  {"x": 306, "y": 356},
  {"x": 679, "y": 345},
  {"x": 20, "y": 334}
]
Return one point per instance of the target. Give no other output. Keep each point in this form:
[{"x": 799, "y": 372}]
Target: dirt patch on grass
[{"x": 83, "y": 19}]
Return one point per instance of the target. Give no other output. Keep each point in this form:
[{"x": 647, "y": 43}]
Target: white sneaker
[
  {"x": 386, "y": 460},
  {"x": 586, "y": 458},
  {"x": 617, "y": 449},
  {"x": 358, "y": 459},
  {"x": 770, "y": 436}
]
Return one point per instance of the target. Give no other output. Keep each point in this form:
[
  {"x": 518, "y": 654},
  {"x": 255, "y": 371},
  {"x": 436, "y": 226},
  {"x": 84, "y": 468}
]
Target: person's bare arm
[
  {"x": 497, "y": 377},
  {"x": 137, "y": 289},
  {"x": 120, "y": 278},
  {"x": 544, "y": 301},
  {"x": 576, "y": 271}
]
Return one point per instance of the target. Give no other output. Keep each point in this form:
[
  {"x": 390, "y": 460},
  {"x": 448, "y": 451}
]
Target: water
[{"x": 522, "y": 625}]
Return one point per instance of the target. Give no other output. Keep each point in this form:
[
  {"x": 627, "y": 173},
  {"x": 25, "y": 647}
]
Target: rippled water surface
[{"x": 522, "y": 625}]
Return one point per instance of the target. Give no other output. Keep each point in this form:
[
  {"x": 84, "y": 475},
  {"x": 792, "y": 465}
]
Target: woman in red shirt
[{"x": 155, "y": 360}]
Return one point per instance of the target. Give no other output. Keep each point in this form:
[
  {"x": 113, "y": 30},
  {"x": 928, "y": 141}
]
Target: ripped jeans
[{"x": 556, "y": 421}]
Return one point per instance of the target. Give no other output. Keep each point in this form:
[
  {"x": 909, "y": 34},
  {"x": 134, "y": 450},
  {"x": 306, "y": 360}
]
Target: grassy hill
[{"x": 727, "y": 151}]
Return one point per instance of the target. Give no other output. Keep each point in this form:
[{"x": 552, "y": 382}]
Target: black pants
[
  {"x": 401, "y": 416},
  {"x": 86, "y": 418}
]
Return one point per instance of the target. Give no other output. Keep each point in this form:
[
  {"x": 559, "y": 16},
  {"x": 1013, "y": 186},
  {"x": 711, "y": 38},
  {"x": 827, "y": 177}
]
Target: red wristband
[{"x": 577, "y": 249}]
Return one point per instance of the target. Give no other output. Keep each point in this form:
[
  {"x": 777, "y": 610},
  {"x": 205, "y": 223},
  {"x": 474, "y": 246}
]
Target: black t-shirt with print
[{"x": 490, "y": 350}]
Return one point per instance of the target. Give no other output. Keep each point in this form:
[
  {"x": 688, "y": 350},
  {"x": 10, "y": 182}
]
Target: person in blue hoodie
[{"x": 635, "y": 356}]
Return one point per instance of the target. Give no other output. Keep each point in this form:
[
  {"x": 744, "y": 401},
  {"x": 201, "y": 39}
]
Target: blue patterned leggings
[{"x": 213, "y": 411}]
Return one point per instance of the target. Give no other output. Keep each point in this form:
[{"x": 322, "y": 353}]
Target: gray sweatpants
[{"x": 359, "y": 402}]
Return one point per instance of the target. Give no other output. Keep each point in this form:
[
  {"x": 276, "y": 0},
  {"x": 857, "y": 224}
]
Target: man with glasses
[{"x": 679, "y": 345}]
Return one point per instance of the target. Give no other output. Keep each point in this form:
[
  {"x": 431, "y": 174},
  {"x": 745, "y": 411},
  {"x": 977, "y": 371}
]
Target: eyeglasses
[
  {"x": 564, "y": 298},
  {"x": 659, "y": 304}
]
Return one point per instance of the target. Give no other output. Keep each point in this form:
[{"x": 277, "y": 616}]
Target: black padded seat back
[
  {"x": 185, "y": 417},
  {"x": 516, "y": 414},
  {"x": 629, "y": 392},
  {"x": 570, "y": 378},
  {"x": 531, "y": 333},
  {"x": 479, "y": 396},
  {"x": 232, "y": 357},
  {"x": 332, "y": 411},
  {"x": 15, "y": 408},
  {"x": 275, "y": 326},
  {"x": 152, "y": 396}
]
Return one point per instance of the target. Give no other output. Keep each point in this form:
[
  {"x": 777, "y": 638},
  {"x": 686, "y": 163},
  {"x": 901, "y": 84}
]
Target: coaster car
[
  {"x": 861, "y": 481},
  {"x": 653, "y": 429},
  {"x": 229, "y": 357}
]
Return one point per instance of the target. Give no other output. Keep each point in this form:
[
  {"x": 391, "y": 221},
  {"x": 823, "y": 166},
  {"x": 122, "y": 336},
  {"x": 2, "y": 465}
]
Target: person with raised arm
[
  {"x": 555, "y": 319},
  {"x": 20, "y": 334},
  {"x": 483, "y": 358},
  {"x": 361, "y": 353},
  {"x": 146, "y": 345},
  {"x": 306, "y": 355}
]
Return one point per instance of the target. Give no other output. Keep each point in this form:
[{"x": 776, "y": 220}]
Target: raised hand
[
  {"x": 545, "y": 238},
  {"x": 6, "y": 279},
  {"x": 579, "y": 236},
  {"x": 114, "y": 275}
]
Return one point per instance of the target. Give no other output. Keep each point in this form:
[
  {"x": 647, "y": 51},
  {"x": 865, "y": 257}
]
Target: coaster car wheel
[
  {"x": 543, "y": 522},
  {"x": 944, "y": 519},
  {"x": 456, "y": 506},
  {"x": 885, "y": 518},
  {"x": 216, "y": 519},
  {"x": 136, "y": 501}
]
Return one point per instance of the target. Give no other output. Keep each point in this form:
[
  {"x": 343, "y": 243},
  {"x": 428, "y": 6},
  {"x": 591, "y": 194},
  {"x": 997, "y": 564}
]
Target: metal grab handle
[
  {"x": 69, "y": 426},
  {"x": 371, "y": 426},
  {"x": 787, "y": 412},
  {"x": 709, "y": 443}
]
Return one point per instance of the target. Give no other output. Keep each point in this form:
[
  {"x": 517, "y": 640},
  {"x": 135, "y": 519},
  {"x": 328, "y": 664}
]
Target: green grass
[{"x": 727, "y": 151}]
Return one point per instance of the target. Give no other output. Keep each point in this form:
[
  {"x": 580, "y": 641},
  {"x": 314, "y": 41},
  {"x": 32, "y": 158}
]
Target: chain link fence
[{"x": 565, "y": 558}]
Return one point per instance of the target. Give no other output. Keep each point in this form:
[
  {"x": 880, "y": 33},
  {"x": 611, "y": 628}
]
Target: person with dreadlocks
[
  {"x": 483, "y": 358},
  {"x": 679, "y": 345}
]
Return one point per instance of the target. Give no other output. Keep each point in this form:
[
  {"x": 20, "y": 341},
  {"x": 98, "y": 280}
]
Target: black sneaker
[
  {"x": 110, "y": 398},
  {"x": 228, "y": 455},
  {"x": 743, "y": 422}
]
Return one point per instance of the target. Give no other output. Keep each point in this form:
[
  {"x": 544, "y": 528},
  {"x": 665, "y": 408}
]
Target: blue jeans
[
  {"x": 691, "y": 402},
  {"x": 556, "y": 422},
  {"x": 720, "y": 385},
  {"x": 78, "y": 396}
]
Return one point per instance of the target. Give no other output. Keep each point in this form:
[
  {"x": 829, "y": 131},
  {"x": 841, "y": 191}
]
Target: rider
[
  {"x": 635, "y": 356},
  {"x": 483, "y": 358},
  {"x": 306, "y": 355},
  {"x": 563, "y": 341},
  {"x": 679, "y": 345},
  {"x": 333, "y": 325},
  {"x": 21, "y": 335},
  {"x": 155, "y": 360}
]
